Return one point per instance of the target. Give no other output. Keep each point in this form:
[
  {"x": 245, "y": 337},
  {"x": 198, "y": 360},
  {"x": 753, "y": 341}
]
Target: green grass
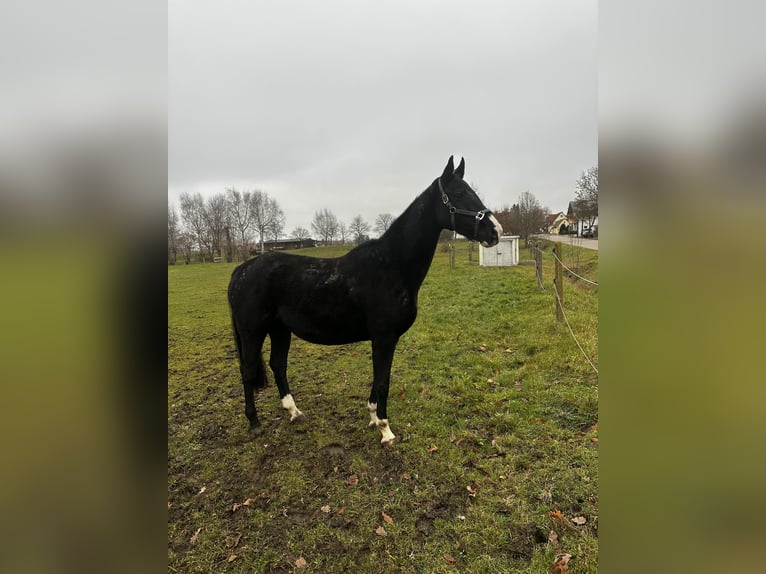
[{"x": 488, "y": 393}]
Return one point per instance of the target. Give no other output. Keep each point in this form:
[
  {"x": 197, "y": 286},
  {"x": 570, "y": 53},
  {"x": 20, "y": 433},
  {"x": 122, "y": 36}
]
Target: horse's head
[{"x": 463, "y": 209}]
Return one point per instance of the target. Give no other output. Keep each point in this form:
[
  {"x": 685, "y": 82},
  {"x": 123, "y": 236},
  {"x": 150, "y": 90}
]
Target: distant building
[
  {"x": 559, "y": 223},
  {"x": 281, "y": 244}
]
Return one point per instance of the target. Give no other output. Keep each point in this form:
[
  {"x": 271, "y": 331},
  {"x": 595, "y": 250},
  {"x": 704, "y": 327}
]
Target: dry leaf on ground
[
  {"x": 352, "y": 480},
  {"x": 300, "y": 562},
  {"x": 325, "y": 508},
  {"x": 380, "y": 531},
  {"x": 556, "y": 514},
  {"x": 579, "y": 520},
  {"x": 232, "y": 541},
  {"x": 203, "y": 489},
  {"x": 449, "y": 559},
  {"x": 560, "y": 565},
  {"x": 231, "y": 558},
  {"x": 387, "y": 518},
  {"x": 553, "y": 538},
  {"x": 247, "y": 502}
]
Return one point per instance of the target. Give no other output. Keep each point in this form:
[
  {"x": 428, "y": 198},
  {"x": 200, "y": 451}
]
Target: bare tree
[
  {"x": 342, "y": 232},
  {"x": 325, "y": 225},
  {"x": 383, "y": 222},
  {"x": 239, "y": 214},
  {"x": 193, "y": 216},
  {"x": 359, "y": 229},
  {"x": 216, "y": 217},
  {"x": 586, "y": 192},
  {"x": 509, "y": 218},
  {"x": 186, "y": 244},
  {"x": 266, "y": 215},
  {"x": 172, "y": 235},
  {"x": 531, "y": 215},
  {"x": 301, "y": 233},
  {"x": 277, "y": 226}
]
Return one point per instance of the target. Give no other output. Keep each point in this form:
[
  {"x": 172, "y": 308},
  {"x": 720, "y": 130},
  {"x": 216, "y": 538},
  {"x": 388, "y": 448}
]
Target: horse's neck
[{"x": 412, "y": 238}]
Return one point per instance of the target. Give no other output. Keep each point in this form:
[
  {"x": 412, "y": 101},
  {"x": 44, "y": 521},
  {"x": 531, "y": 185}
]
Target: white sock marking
[
  {"x": 385, "y": 431},
  {"x": 372, "y": 407},
  {"x": 289, "y": 404}
]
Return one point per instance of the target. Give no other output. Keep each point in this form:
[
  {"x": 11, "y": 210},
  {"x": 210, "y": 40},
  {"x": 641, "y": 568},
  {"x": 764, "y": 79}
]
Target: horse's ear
[
  {"x": 460, "y": 169},
  {"x": 449, "y": 170}
]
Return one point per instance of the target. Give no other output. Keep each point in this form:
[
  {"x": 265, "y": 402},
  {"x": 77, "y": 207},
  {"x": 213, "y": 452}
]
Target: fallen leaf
[
  {"x": 325, "y": 508},
  {"x": 471, "y": 491},
  {"x": 483, "y": 348},
  {"x": 406, "y": 476},
  {"x": 449, "y": 559},
  {"x": 556, "y": 514},
  {"x": 508, "y": 350},
  {"x": 517, "y": 385},
  {"x": 195, "y": 536},
  {"x": 231, "y": 558},
  {"x": 387, "y": 518},
  {"x": 403, "y": 395},
  {"x": 247, "y": 502},
  {"x": 232, "y": 541},
  {"x": 352, "y": 480},
  {"x": 341, "y": 510},
  {"x": 300, "y": 562},
  {"x": 203, "y": 489},
  {"x": 434, "y": 448},
  {"x": 380, "y": 531},
  {"x": 560, "y": 565},
  {"x": 553, "y": 538},
  {"x": 579, "y": 520}
]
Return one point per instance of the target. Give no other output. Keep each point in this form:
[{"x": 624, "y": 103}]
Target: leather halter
[{"x": 478, "y": 215}]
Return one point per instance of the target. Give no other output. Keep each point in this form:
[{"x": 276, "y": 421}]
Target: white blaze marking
[
  {"x": 385, "y": 430},
  {"x": 289, "y": 404},
  {"x": 498, "y": 227},
  {"x": 372, "y": 407}
]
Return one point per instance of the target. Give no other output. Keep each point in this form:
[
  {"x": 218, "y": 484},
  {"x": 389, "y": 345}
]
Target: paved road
[{"x": 571, "y": 240}]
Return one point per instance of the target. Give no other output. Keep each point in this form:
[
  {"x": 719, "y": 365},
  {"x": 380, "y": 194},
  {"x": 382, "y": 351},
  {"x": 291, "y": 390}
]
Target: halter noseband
[{"x": 478, "y": 215}]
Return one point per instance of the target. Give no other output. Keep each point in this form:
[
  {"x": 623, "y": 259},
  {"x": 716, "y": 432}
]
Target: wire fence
[{"x": 558, "y": 290}]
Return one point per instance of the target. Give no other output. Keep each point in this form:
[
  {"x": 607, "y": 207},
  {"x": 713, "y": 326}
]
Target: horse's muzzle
[{"x": 495, "y": 234}]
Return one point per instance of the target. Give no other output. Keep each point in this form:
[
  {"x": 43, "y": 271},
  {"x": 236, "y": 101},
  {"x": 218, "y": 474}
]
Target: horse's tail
[
  {"x": 259, "y": 381},
  {"x": 260, "y": 369}
]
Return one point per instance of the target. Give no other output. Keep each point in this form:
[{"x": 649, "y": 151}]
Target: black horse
[{"x": 369, "y": 294}]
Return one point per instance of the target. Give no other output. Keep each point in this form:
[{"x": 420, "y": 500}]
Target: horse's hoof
[
  {"x": 255, "y": 430},
  {"x": 301, "y": 418},
  {"x": 391, "y": 443}
]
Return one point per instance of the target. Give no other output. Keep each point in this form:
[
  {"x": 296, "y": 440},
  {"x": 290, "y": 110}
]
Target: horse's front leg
[{"x": 382, "y": 358}]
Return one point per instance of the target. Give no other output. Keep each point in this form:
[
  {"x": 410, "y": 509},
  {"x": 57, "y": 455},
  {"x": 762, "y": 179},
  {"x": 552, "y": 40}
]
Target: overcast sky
[{"x": 356, "y": 106}]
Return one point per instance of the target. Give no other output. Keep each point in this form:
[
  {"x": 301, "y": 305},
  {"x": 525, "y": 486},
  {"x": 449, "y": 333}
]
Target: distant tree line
[{"x": 233, "y": 223}]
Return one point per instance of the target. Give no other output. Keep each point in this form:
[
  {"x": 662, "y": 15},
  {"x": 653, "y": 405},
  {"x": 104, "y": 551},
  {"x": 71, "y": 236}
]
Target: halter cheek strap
[{"x": 478, "y": 215}]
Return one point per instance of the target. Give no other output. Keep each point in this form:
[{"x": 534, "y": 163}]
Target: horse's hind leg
[
  {"x": 280, "y": 347},
  {"x": 253, "y": 375}
]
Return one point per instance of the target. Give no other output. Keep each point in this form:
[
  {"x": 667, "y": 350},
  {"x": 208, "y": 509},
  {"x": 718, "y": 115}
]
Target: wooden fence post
[
  {"x": 539, "y": 266},
  {"x": 558, "y": 282},
  {"x": 451, "y": 247}
]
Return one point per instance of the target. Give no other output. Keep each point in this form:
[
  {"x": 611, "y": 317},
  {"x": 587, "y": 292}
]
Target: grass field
[{"x": 495, "y": 404}]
